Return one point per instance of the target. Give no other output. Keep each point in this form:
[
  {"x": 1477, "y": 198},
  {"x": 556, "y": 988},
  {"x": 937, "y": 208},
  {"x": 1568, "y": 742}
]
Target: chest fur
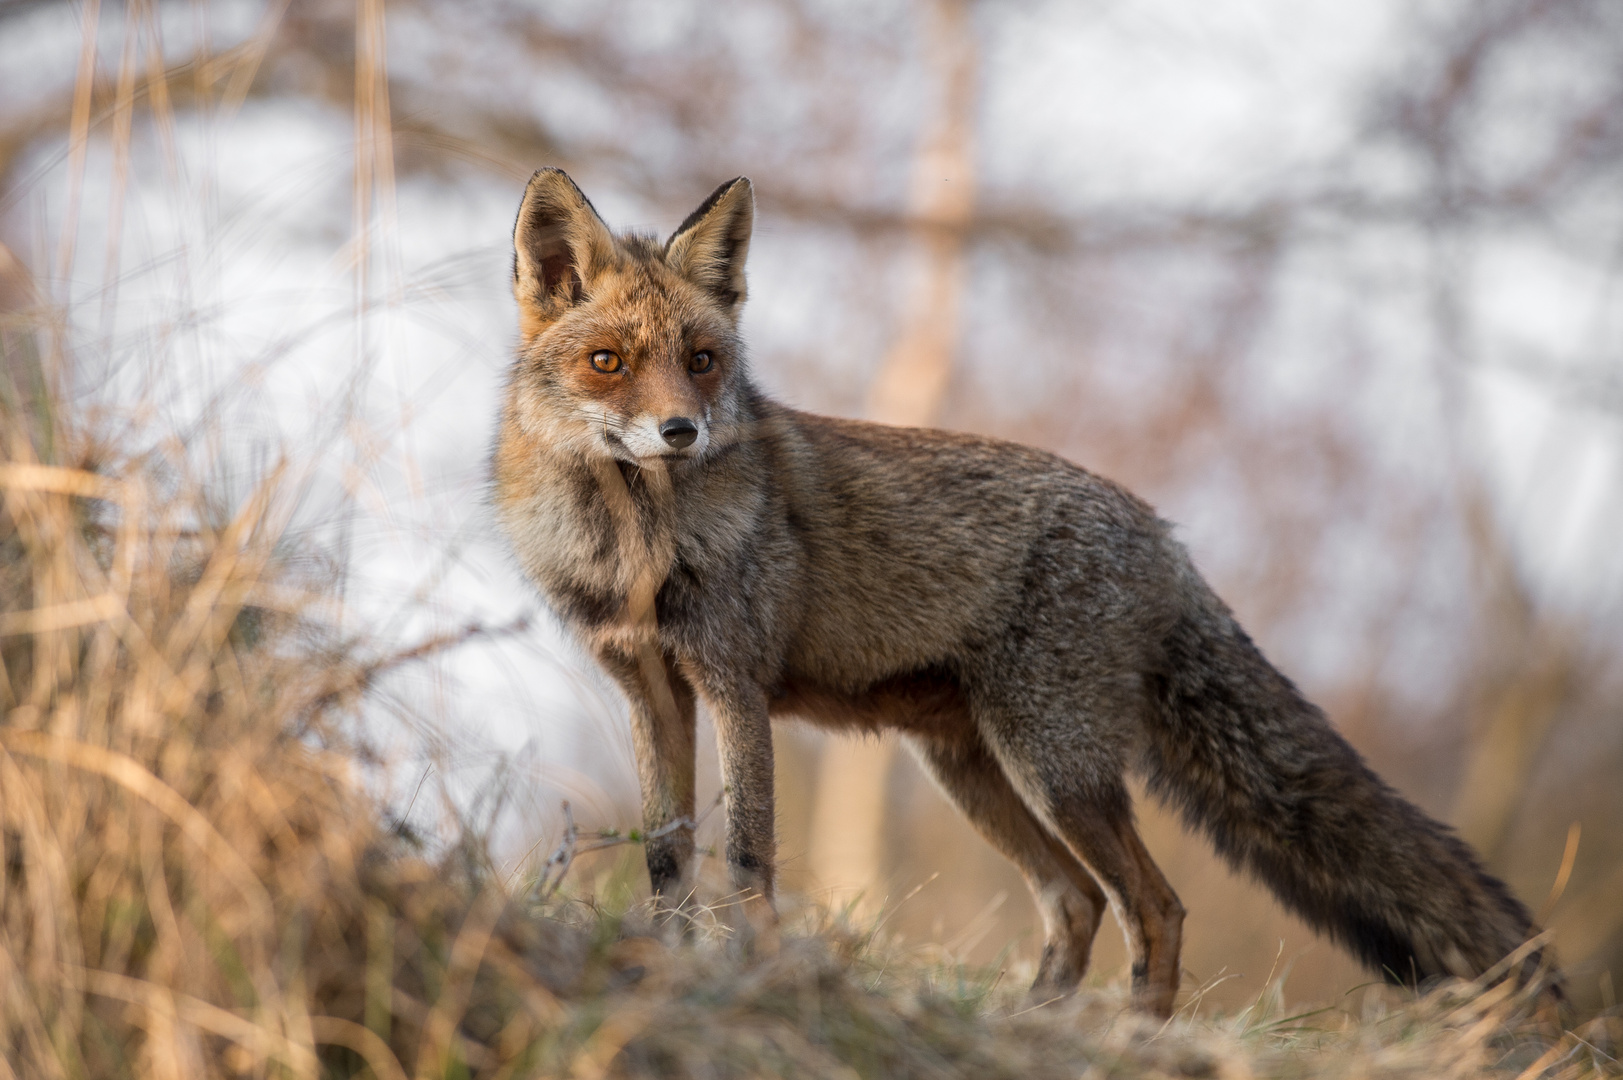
[{"x": 601, "y": 541}]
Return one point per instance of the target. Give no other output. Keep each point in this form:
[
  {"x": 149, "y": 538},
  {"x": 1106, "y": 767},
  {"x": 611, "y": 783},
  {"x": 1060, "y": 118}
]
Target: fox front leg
[
  {"x": 744, "y": 740},
  {"x": 662, "y": 732}
]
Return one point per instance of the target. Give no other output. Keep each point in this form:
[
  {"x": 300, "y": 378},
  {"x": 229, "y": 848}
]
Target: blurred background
[{"x": 1336, "y": 286}]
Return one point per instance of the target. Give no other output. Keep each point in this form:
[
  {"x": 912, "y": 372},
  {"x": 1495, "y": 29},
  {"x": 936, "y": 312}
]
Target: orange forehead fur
[
  {"x": 652, "y": 318},
  {"x": 638, "y": 308}
]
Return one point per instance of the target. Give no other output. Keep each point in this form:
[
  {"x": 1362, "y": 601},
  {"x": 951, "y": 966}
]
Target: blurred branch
[
  {"x": 10, "y": 9},
  {"x": 1596, "y": 386},
  {"x": 848, "y": 818}
]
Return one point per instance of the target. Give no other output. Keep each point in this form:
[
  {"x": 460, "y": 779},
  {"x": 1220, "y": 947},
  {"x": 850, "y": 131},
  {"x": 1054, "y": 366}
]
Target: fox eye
[
  {"x": 701, "y": 362},
  {"x": 605, "y": 361}
]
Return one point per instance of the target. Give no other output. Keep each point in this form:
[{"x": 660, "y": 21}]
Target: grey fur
[{"x": 1035, "y": 631}]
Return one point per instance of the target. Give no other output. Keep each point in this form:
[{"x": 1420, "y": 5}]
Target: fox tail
[{"x": 1237, "y": 749}]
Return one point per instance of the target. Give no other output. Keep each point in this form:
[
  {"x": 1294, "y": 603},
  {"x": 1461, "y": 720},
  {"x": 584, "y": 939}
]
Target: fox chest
[
  {"x": 584, "y": 563},
  {"x": 610, "y": 574}
]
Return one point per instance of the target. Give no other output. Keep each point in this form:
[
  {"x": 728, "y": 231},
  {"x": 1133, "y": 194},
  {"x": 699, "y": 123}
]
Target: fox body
[{"x": 1032, "y": 630}]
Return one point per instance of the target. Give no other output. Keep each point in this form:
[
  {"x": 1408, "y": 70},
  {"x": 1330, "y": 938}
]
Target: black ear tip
[
  {"x": 551, "y": 176},
  {"x": 739, "y": 193}
]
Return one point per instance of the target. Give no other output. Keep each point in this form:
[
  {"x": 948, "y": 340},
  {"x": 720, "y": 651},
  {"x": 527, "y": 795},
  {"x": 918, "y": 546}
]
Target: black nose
[{"x": 679, "y": 431}]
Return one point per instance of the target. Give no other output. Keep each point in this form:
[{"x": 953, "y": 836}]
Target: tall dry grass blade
[
  {"x": 336, "y": 1031},
  {"x": 132, "y": 777},
  {"x": 78, "y": 143},
  {"x": 123, "y": 121},
  {"x": 252, "y": 57},
  {"x": 1569, "y": 856}
]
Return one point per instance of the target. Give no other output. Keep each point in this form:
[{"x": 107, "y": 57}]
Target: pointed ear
[
  {"x": 709, "y": 247},
  {"x": 559, "y": 246}
]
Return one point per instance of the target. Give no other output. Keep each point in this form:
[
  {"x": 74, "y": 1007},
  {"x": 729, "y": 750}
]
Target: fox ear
[
  {"x": 559, "y": 246},
  {"x": 709, "y": 247}
]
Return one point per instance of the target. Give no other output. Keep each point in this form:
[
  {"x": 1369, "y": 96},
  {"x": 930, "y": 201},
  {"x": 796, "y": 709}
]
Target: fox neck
[
  {"x": 601, "y": 535},
  {"x": 642, "y": 510}
]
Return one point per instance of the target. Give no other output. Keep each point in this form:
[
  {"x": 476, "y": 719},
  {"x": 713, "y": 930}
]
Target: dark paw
[{"x": 1058, "y": 974}]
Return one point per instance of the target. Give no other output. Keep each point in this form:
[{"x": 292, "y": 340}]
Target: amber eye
[
  {"x": 701, "y": 362},
  {"x": 605, "y": 361}
]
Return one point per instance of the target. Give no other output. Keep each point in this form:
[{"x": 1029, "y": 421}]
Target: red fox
[{"x": 1032, "y": 630}]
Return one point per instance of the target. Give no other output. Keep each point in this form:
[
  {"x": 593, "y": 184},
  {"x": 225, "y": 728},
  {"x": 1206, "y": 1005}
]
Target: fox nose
[{"x": 679, "y": 431}]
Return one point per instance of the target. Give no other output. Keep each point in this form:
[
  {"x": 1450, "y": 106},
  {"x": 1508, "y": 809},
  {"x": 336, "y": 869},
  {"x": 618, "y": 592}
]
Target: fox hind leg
[
  {"x": 1093, "y": 815},
  {"x": 1068, "y": 898},
  {"x": 1148, "y": 909}
]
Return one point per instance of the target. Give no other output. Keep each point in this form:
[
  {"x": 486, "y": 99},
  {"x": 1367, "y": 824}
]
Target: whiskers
[
  {"x": 593, "y": 430},
  {"x": 588, "y": 430},
  {"x": 607, "y": 423}
]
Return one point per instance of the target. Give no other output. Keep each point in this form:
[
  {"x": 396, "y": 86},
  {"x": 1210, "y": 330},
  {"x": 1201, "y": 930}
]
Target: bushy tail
[{"x": 1238, "y": 750}]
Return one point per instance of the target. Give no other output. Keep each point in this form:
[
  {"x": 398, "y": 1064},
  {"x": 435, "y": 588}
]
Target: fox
[{"x": 1035, "y": 633}]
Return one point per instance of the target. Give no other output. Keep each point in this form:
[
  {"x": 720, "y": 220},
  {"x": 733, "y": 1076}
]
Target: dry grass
[{"x": 197, "y": 883}]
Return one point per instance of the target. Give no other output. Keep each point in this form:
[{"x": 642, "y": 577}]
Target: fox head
[{"x": 629, "y": 348}]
